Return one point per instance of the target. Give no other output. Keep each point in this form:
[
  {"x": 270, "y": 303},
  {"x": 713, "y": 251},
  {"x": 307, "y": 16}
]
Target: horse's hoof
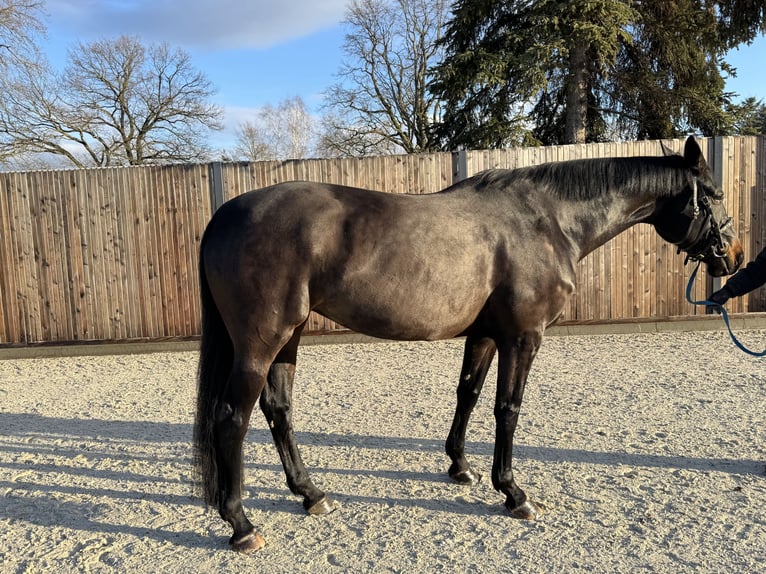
[
  {"x": 323, "y": 506},
  {"x": 468, "y": 477},
  {"x": 527, "y": 510},
  {"x": 248, "y": 544}
]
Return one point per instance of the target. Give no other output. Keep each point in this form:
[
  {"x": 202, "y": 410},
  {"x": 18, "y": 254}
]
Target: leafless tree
[
  {"x": 117, "y": 102},
  {"x": 19, "y": 25},
  {"x": 381, "y": 102},
  {"x": 251, "y": 143},
  {"x": 285, "y": 131}
]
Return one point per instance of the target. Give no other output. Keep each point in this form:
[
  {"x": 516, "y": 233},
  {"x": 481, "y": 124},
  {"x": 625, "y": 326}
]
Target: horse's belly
[
  {"x": 405, "y": 317},
  {"x": 384, "y": 286}
]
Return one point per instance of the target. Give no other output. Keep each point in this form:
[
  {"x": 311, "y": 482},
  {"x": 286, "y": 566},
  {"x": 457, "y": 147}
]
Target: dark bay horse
[{"x": 491, "y": 258}]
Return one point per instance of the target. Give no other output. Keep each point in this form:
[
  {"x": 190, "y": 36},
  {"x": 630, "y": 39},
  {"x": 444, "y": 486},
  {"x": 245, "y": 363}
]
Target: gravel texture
[{"x": 646, "y": 450}]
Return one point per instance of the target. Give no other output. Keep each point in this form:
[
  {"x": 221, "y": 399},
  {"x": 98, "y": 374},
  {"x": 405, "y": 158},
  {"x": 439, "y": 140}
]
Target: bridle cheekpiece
[{"x": 704, "y": 238}]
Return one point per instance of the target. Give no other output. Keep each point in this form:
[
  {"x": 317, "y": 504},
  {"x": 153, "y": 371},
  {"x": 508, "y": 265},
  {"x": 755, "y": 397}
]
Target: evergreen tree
[
  {"x": 512, "y": 65},
  {"x": 668, "y": 80},
  {"x": 555, "y": 71},
  {"x": 747, "y": 118}
]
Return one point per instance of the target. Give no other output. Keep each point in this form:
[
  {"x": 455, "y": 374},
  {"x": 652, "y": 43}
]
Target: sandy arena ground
[{"x": 646, "y": 450}]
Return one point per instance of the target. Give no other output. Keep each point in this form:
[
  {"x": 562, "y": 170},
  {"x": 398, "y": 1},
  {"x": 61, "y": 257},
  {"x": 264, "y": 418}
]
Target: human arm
[{"x": 752, "y": 276}]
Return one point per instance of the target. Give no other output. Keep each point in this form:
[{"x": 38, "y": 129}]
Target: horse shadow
[{"x": 28, "y": 438}]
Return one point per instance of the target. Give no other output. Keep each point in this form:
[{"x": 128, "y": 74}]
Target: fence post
[
  {"x": 459, "y": 166},
  {"x": 714, "y": 283},
  {"x": 216, "y": 185}
]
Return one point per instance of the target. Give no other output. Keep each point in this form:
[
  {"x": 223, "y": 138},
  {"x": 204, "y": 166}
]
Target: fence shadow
[{"x": 17, "y": 424}]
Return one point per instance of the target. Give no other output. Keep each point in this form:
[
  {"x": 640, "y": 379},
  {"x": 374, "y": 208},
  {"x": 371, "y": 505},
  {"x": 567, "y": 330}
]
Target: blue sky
[
  {"x": 255, "y": 52},
  {"x": 260, "y": 52},
  {"x": 749, "y": 61}
]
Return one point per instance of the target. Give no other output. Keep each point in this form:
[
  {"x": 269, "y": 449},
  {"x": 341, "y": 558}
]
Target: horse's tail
[{"x": 215, "y": 363}]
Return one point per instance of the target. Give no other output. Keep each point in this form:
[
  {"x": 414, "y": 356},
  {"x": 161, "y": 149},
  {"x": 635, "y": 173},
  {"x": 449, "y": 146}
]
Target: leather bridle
[{"x": 704, "y": 237}]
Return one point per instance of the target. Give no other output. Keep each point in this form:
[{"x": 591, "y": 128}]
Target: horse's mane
[{"x": 585, "y": 179}]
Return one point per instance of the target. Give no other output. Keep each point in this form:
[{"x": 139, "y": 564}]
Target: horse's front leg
[
  {"x": 477, "y": 358},
  {"x": 514, "y": 362}
]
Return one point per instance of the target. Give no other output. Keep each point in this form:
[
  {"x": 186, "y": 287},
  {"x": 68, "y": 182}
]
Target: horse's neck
[{"x": 592, "y": 222}]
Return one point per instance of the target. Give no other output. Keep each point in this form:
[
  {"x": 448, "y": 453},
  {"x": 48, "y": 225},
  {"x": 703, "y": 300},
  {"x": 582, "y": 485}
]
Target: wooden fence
[{"x": 111, "y": 254}]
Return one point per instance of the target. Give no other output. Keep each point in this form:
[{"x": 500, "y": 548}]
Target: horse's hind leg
[
  {"x": 477, "y": 358},
  {"x": 276, "y": 404},
  {"x": 243, "y": 387}
]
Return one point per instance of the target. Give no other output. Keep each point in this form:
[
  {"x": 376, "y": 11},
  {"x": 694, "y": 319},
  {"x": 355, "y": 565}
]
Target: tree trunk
[{"x": 577, "y": 97}]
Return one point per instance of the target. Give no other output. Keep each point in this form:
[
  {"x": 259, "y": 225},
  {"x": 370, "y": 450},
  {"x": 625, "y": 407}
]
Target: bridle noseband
[{"x": 704, "y": 237}]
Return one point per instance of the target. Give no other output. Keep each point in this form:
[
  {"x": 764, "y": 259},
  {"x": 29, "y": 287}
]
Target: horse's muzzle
[{"x": 726, "y": 259}]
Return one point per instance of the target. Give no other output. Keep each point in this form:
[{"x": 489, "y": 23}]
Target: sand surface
[{"x": 646, "y": 450}]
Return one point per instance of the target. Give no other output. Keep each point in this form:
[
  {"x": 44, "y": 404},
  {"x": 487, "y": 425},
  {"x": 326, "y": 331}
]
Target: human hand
[{"x": 719, "y": 298}]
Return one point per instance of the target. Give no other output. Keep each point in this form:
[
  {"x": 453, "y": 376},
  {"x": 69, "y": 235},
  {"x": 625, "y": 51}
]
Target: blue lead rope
[{"x": 724, "y": 314}]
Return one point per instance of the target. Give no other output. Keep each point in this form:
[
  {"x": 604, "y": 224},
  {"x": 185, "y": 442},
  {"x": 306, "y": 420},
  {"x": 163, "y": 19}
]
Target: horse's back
[
  {"x": 395, "y": 266},
  {"x": 300, "y": 224}
]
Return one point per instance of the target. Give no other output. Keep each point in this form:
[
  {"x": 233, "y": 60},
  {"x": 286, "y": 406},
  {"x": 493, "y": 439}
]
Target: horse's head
[{"x": 696, "y": 220}]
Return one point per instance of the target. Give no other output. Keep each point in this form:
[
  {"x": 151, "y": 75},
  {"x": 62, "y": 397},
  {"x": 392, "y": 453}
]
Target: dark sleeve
[{"x": 748, "y": 278}]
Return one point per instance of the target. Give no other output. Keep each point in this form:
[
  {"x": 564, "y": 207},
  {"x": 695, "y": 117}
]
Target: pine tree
[
  {"x": 554, "y": 71},
  {"x": 668, "y": 80},
  {"x": 509, "y": 63}
]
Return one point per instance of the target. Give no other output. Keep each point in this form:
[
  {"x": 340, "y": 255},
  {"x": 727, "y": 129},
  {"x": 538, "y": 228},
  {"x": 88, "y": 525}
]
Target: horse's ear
[{"x": 693, "y": 154}]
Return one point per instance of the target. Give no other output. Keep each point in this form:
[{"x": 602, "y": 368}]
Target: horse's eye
[{"x": 712, "y": 191}]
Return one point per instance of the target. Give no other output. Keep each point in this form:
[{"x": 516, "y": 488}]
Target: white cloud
[
  {"x": 217, "y": 24},
  {"x": 234, "y": 116}
]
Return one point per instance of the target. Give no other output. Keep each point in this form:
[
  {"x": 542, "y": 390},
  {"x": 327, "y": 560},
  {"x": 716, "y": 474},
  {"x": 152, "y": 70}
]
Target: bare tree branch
[
  {"x": 117, "y": 102},
  {"x": 19, "y": 25},
  {"x": 286, "y": 131},
  {"x": 381, "y": 103}
]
